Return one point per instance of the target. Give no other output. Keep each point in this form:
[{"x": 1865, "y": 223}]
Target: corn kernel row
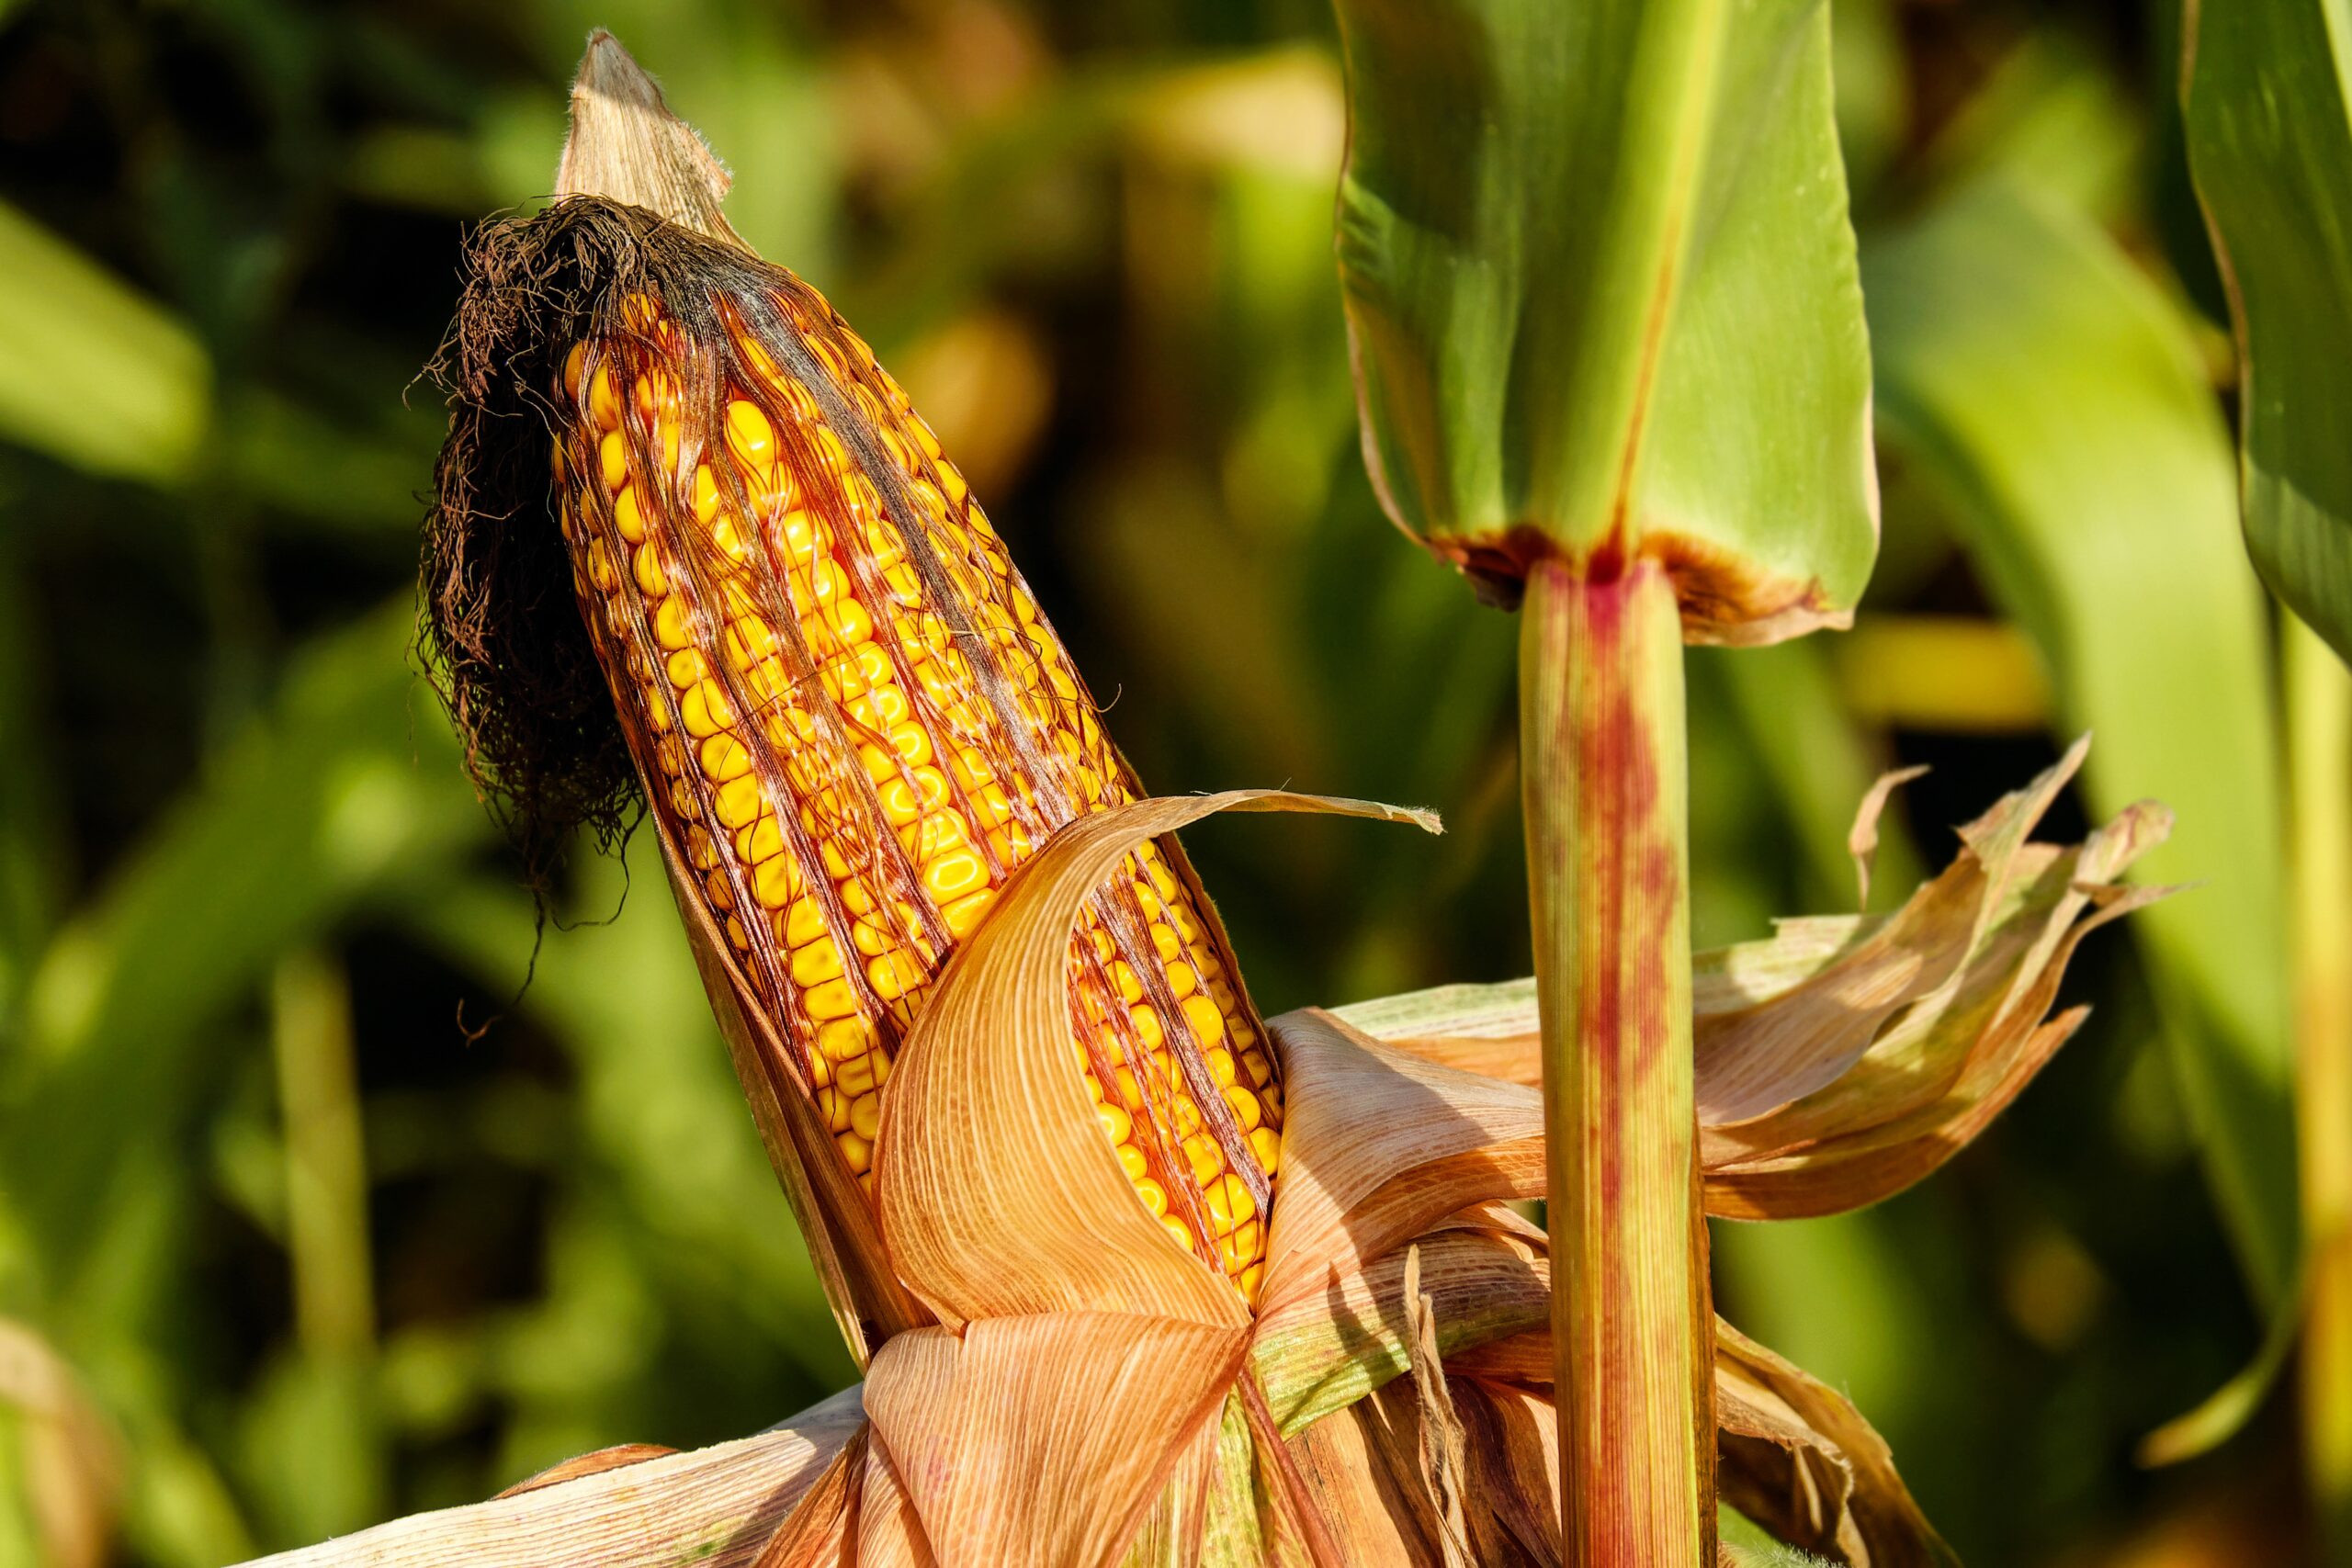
[{"x": 861, "y": 725}]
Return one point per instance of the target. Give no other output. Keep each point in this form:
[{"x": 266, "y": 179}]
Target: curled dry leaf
[
  {"x": 999, "y": 1194},
  {"x": 1846, "y": 1057},
  {"x": 1861, "y": 841},
  {"x": 1799, "y": 1460},
  {"x": 1380, "y": 1145}
]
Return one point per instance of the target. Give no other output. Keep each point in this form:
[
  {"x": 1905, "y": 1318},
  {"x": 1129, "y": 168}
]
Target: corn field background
[{"x": 313, "y": 1211}]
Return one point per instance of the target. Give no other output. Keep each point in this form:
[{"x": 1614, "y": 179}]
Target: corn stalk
[{"x": 1604, "y": 781}]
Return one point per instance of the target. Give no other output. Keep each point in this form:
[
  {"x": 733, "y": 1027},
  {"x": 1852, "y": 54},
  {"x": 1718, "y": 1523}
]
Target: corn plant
[
  {"x": 1047, "y": 1154},
  {"x": 2049, "y": 410}
]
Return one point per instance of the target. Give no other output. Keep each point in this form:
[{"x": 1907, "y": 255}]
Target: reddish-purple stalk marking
[{"x": 1606, "y": 796}]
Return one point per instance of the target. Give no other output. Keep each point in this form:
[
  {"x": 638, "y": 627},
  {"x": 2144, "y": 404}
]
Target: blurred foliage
[{"x": 296, "y": 1248}]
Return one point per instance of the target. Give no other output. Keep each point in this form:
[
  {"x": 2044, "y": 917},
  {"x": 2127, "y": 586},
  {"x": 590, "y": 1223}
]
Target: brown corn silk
[{"x": 849, "y": 716}]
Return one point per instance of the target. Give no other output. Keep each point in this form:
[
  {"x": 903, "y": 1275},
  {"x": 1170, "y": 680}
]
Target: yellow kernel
[
  {"x": 911, "y": 741},
  {"x": 939, "y": 834},
  {"x": 1243, "y": 1103},
  {"x": 963, "y": 917},
  {"x": 991, "y": 806},
  {"x": 1130, "y": 1095},
  {"x": 815, "y": 965},
  {"x": 705, "y": 493},
  {"x": 1206, "y": 1023},
  {"x": 1123, "y": 974},
  {"x": 834, "y": 999},
  {"x": 775, "y": 880},
  {"x": 1220, "y": 1065},
  {"x": 1188, "y": 1115},
  {"x": 845, "y": 1040},
  {"x": 603, "y": 402},
  {"x": 857, "y": 1151},
  {"x": 651, "y": 579},
  {"x": 870, "y": 939},
  {"x": 672, "y": 628},
  {"x": 1250, "y": 1280},
  {"x": 725, "y": 760},
  {"x": 860, "y": 1075},
  {"x": 1148, "y": 1028},
  {"x": 706, "y": 710},
  {"x": 1154, "y": 1197},
  {"x": 1181, "y": 978},
  {"x": 833, "y": 1106},
  {"x": 1206, "y": 1160},
  {"x": 686, "y": 667},
  {"x": 880, "y": 709},
  {"x": 865, "y": 1114},
  {"x": 893, "y": 975},
  {"x": 1267, "y": 1144},
  {"x": 1175, "y": 1228},
  {"x": 737, "y": 935},
  {"x": 750, "y": 433},
  {"x": 1254, "y": 1063},
  {"x": 1117, "y": 1125},
  {"x": 612, "y": 461},
  {"x": 954, "y": 874},
  {"x": 740, "y": 802},
  {"x": 1246, "y": 1244},
  {"x": 1229, "y": 1202},
  {"x": 600, "y": 567},
  {"x": 1131, "y": 1157},
  {"x": 804, "y": 924},
  {"x": 628, "y": 518}
]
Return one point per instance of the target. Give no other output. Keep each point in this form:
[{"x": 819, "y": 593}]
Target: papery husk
[
  {"x": 1044, "y": 1437},
  {"x": 1797, "y": 1457},
  {"x": 1944, "y": 1045},
  {"x": 990, "y": 1149}
]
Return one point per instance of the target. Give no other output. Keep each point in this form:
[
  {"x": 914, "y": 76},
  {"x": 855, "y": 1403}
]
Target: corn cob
[{"x": 853, "y": 720}]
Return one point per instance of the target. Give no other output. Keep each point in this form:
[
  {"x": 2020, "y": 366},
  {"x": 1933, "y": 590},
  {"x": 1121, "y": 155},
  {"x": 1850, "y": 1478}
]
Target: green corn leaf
[
  {"x": 350, "y": 785},
  {"x": 2269, "y": 119},
  {"x": 2050, "y": 397},
  {"x": 1622, "y": 316},
  {"x": 92, "y": 373}
]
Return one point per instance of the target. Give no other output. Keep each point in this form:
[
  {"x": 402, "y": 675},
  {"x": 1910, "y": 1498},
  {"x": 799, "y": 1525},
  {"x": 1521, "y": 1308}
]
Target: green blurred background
[{"x": 308, "y": 1219}]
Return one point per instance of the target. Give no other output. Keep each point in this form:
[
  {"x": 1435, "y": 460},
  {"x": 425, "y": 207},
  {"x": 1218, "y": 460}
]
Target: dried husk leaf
[
  {"x": 822, "y": 1529},
  {"x": 1173, "y": 1533},
  {"x": 1444, "y": 1463},
  {"x": 594, "y": 1462},
  {"x": 1862, "y": 840},
  {"x": 1046, "y": 1438},
  {"x": 890, "y": 1532},
  {"x": 1939, "y": 1062},
  {"x": 1799, "y": 1460},
  {"x": 1380, "y": 1145},
  {"x": 1000, "y": 1196}
]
